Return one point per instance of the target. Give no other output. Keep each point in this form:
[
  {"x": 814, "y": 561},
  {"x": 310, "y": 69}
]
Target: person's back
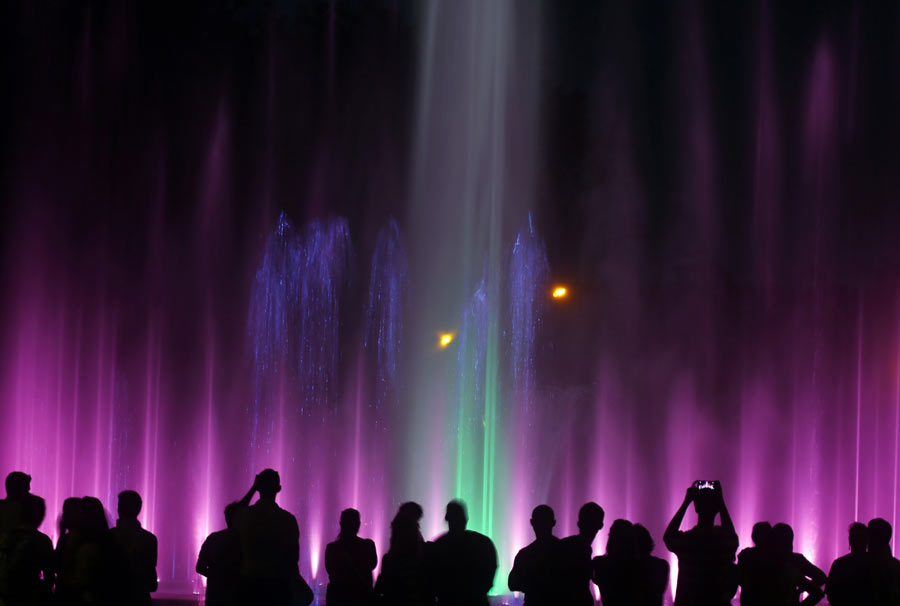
[
  {"x": 652, "y": 574},
  {"x": 615, "y": 573},
  {"x": 91, "y": 577},
  {"x": 706, "y": 571},
  {"x": 270, "y": 545},
  {"x": 765, "y": 579},
  {"x": 138, "y": 549},
  {"x": 848, "y": 580},
  {"x": 219, "y": 561},
  {"x": 884, "y": 568},
  {"x": 349, "y": 562},
  {"x": 402, "y": 581},
  {"x": 575, "y": 557},
  {"x": 18, "y": 488},
  {"x": 461, "y": 562},
  {"x": 536, "y": 568},
  {"x": 26, "y": 575}
]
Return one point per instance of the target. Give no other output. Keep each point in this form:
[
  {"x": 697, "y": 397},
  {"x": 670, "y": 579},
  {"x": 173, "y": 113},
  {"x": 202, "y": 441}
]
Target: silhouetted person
[
  {"x": 536, "y": 569},
  {"x": 653, "y": 572},
  {"x": 615, "y": 573},
  {"x": 884, "y": 568},
  {"x": 349, "y": 562},
  {"x": 270, "y": 546},
  {"x": 138, "y": 549},
  {"x": 706, "y": 571},
  {"x": 70, "y": 524},
  {"x": 88, "y": 579},
  {"x": 403, "y": 581},
  {"x": 26, "y": 563},
  {"x": 804, "y": 575},
  {"x": 848, "y": 581},
  {"x": 220, "y": 562},
  {"x": 764, "y": 580},
  {"x": 18, "y": 486},
  {"x": 462, "y": 563},
  {"x": 575, "y": 558}
]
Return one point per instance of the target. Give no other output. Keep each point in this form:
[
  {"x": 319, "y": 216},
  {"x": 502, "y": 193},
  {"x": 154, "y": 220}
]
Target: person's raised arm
[
  {"x": 671, "y": 535},
  {"x": 245, "y": 502},
  {"x": 727, "y": 524}
]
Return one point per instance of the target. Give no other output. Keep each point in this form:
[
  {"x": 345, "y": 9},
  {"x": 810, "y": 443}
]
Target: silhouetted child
[
  {"x": 653, "y": 572},
  {"x": 462, "y": 563},
  {"x": 138, "y": 549},
  {"x": 536, "y": 569},
  {"x": 615, "y": 573},
  {"x": 26, "y": 562},
  {"x": 403, "y": 581},
  {"x": 220, "y": 562},
  {"x": 270, "y": 547},
  {"x": 706, "y": 571},
  {"x": 848, "y": 581},
  {"x": 349, "y": 562},
  {"x": 884, "y": 568},
  {"x": 575, "y": 558}
]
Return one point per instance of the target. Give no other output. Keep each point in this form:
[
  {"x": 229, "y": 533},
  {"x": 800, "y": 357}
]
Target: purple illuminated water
[{"x": 196, "y": 289}]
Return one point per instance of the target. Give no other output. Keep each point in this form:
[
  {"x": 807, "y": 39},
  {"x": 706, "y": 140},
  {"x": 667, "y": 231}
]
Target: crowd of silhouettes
[
  {"x": 92, "y": 564},
  {"x": 254, "y": 560}
]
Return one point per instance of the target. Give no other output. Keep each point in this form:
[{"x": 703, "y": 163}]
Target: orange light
[
  {"x": 559, "y": 292},
  {"x": 445, "y": 339}
]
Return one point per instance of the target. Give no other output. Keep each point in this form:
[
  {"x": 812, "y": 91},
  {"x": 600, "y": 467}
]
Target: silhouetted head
[
  {"x": 761, "y": 533},
  {"x": 71, "y": 515},
  {"x": 782, "y": 538},
  {"x": 879, "y": 534},
  {"x": 707, "y": 504},
  {"x": 859, "y": 537},
  {"x": 129, "y": 505},
  {"x": 409, "y": 512},
  {"x": 590, "y": 520},
  {"x": 268, "y": 482},
  {"x": 456, "y": 516},
  {"x": 621, "y": 542},
  {"x": 93, "y": 517},
  {"x": 543, "y": 520},
  {"x": 33, "y": 510},
  {"x": 231, "y": 511},
  {"x": 405, "y": 535},
  {"x": 18, "y": 484},
  {"x": 644, "y": 541},
  {"x": 350, "y": 523}
]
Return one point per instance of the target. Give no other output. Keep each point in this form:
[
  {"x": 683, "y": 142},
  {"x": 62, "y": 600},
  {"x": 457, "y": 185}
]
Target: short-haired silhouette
[
  {"x": 575, "y": 557},
  {"x": 615, "y": 573},
  {"x": 884, "y": 568},
  {"x": 805, "y": 577},
  {"x": 220, "y": 562},
  {"x": 270, "y": 547},
  {"x": 652, "y": 573},
  {"x": 536, "y": 569},
  {"x": 26, "y": 558},
  {"x": 349, "y": 562},
  {"x": 18, "y": 486},
  {"x": 138, "y": 549},
  {"x": 461, "y": 562},
  {"x": 761, "y": 576},
  {"x": 402, "y": 581},
  {"x": 706, "y": 570},
  {"x": 848, "y": 581}
]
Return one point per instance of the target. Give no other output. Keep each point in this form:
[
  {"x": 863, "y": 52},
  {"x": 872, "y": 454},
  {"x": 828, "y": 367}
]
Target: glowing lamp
[
  {"x": 445, "y": 339},
  {"x": 559, "y": 292}
]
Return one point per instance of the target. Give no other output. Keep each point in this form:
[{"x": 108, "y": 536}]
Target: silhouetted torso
[
  {"x": 617, "y": 580},
  {"x": 576, "y": 570},
  {"x": 849, "y": 581},
  {"x": 138, "y": 549},
  {"x": 462, "y": 565},
  {"x": 706, "y": 574},
  {"x": 764, "y": 579},
  {"x": 885, "y": 575},
  {"x": 220, "y": 562},
  {"x": 26, "y": 565},
  {"x": 652, "y": 579},
  {"x": 349, "y": 562},
  {"x": 402, "y": 581},
  {"x": 536, "y": 571},
  {"x": 270, "y": 549}
]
